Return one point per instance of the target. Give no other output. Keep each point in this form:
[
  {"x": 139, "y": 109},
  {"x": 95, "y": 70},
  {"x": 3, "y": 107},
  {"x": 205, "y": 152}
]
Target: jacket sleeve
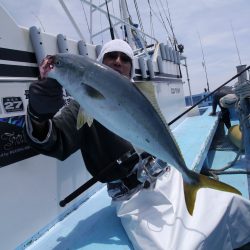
[
  {"x": 64, "y": 138},
  {"x": 100, "y": 147}
]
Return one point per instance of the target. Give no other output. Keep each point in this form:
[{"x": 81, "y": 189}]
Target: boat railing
[{"x": 134, "y": 35}]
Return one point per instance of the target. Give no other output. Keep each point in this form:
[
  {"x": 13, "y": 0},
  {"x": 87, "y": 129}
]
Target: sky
[{"x": 209, "y": 25}]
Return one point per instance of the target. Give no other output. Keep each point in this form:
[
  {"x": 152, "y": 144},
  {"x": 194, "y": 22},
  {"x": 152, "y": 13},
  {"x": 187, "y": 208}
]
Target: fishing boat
[{"x": 33, "y": 185}]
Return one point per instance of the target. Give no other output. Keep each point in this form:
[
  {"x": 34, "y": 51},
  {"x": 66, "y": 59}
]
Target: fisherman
[
  {"x": 225, "y": 114},
  {"x": 59, "y": 137},
  {"x": 151, "y": 207}
]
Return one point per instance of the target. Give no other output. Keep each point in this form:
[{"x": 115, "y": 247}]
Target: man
[
  {"x": 225, "y": 114},
  {"x": 151, "y": 203},
  {"x": 59, "y": 137}
]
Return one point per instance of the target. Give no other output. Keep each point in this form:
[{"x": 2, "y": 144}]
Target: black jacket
[{"x": 99, "y": 146}]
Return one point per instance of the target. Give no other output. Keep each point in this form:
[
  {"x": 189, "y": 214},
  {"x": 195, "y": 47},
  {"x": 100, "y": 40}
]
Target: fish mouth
[{"x": 46, "y": 66}]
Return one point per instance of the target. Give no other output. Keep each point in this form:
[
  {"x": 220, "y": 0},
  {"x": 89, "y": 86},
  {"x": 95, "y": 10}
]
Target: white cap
[
  {"x": 228, "y": 101},
  {"x": 120, "y": 46}
]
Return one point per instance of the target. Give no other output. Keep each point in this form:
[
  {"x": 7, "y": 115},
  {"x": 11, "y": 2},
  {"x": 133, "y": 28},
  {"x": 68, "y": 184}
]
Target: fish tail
[{"x": 202, "y": 181}]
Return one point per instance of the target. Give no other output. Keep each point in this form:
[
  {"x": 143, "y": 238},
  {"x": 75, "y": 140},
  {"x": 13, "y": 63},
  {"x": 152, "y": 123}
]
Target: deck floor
[
  {"x": 194, "y": 137},
  {"x": 92, "y": 226}
]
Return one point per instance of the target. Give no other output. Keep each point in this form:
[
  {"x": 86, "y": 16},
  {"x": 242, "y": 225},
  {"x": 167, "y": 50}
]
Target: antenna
[
  {"x": 235, "y": 42},
  {"x": 203, "y": 62}
]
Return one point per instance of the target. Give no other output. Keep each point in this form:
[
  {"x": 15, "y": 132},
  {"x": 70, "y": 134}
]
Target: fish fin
[
  {"x": 148, "y": 90},
  {"x": 82, "y": 118},
  {"x": 202, "y": 181},
  {"x": 92, "y": 92}
]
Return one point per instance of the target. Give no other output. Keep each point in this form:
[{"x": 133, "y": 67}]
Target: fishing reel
[{"x": 150, "y": 169}]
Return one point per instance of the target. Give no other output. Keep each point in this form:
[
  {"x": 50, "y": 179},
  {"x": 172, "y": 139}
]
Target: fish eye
[{"x": 57, "y": 63}]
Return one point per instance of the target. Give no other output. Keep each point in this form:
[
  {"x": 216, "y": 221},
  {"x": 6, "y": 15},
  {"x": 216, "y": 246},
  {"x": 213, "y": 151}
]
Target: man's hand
[{"x": 45, "y": 99}]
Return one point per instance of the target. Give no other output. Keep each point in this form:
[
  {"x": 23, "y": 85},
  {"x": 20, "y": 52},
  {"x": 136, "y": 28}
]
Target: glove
[{"x": 45, "y": 99}]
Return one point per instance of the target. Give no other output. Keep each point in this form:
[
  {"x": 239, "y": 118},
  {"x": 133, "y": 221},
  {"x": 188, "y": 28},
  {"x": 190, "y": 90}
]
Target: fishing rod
[
  {"x": 196, "y": 104},
  {"x": 237, "y": 49},
  {"x": 77, "y": 192},
  {"x": 203, "y": 62},
  {"x": 110, "y": 24},
  {"x": 94, "y": 180},
  {"x": 131, "y": 160}
]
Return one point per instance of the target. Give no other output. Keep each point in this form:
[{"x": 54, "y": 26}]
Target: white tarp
[{"x": 158, "y": 219}]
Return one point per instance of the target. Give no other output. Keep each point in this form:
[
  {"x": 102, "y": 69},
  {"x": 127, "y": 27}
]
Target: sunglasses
[{"x": 114, "y": 55}]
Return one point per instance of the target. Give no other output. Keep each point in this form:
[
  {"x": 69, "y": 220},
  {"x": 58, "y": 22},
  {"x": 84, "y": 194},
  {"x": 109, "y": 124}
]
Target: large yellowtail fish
[{"x": 120, "y": 106}]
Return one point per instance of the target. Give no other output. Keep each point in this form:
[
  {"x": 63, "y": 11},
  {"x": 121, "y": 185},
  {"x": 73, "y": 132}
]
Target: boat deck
[
  {"x": 94, "y": 224},
  {"x": 194, "y": 136}
]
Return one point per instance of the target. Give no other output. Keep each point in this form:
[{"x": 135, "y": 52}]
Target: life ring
[{"x": 235, "y": 136}]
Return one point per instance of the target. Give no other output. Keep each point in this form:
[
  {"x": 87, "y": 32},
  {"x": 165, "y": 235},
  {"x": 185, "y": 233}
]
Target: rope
[
  {"x": 100, "y": 19},
  {"x": 139, "y": 18},
  {"x": 229, "y": 164},
  {"x": 163, "y": 24},
  {"x": 86, "y": 20},
  {"x": 215, "y": 172},
  {"x": 171, "y": 25},
  {"x": 151, "y": 22},
  {"x": 113, "y": 9},
  {"x": 168, "y": 20}
]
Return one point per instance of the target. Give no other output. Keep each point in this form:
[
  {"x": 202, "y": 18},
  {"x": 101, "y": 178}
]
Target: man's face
[{"x": 118, "y": 61}]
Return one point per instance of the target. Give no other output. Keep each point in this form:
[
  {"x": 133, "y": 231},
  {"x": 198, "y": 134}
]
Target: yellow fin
[
  {"x": 148, "y": 90},
  {"x": 190, "y": 190},
  {"x": 83, "y": 118}
]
